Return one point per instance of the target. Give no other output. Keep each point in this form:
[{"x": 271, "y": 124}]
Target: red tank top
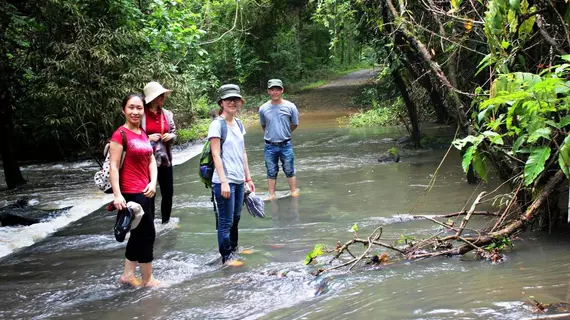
[{"x": 135, "y": 174}]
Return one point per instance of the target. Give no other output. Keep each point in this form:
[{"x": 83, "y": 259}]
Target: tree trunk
[
  {"x": 410, "y": 106},
  {"x": 434, "y": 67},
  {"x": 12, "y": 173},
  {"x": 442, "y": 116}
]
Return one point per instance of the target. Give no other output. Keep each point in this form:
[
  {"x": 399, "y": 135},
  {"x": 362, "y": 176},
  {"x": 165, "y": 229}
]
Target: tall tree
[{"x": 13, "y": 39}]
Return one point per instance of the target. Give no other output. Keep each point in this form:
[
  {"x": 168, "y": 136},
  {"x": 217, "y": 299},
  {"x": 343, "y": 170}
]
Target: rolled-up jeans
[
  {"x": 229, "y": 213},
  {"x": 275, "y": 153}
]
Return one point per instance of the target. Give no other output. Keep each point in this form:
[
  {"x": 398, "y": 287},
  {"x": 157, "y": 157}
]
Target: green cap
[
  {"x": 274, "y": 83},
  {"x": 228, "y": 91}
]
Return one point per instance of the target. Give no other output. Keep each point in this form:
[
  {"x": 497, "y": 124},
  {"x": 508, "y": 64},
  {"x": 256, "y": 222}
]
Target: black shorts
[{"x": 141, "y": 241}]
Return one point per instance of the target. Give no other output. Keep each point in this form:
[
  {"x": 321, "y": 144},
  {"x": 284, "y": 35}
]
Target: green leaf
[
  {"x": 480, "y": 165},
  {"x": 565, "y": 57},
  {"x": 518, "y": 143},
  {"x": 317, "y": 251},
  {"x": 535, "y": 163},
  {"x": 564, "y": 122},
  {"x": 481, "y": 115},
  {"x": 485, "y": 62},
  {"x": 460, "y": 143},
  {"x": 494, "y": 137},
  {"x": 564, "y": 156},
  {"x": 540, "y": 133},
  {"x": 513, "y": 24},
  {"x": 525, "y": 28},
  {"x": 354, "y": 228},
  {"x": 467, "y": 157}
]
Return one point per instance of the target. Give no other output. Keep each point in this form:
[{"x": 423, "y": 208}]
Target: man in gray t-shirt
[{"x": 279, "y": 118}]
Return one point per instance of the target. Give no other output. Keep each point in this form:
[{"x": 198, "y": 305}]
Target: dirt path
[{"x": 334, "y": 96}]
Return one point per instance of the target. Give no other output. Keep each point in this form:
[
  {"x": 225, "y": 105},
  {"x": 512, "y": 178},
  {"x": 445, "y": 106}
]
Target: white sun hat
[{"x": 154, "y": 89}]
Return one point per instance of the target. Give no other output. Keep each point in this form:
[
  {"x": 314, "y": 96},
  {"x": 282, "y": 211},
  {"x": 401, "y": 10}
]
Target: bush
[
  {"x": 388, "y": 114},
  {"x": 197, "y": 131}
]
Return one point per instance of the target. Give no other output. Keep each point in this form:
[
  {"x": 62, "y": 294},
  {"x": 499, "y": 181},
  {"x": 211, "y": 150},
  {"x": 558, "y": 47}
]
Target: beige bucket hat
[{"x": 154, "y": 89}]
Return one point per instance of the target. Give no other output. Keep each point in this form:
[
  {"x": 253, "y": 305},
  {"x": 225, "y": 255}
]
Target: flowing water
[{"x": 73, "y": 273}]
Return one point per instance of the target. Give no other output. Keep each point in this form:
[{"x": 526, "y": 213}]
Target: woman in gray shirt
[{"x": 232, "y": 170}]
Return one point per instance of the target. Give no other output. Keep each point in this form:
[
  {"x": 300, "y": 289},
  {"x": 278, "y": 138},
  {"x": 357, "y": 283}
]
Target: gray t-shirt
[
  {"x": 277, "y": 119},
  {"x": 232, "y": 151}
]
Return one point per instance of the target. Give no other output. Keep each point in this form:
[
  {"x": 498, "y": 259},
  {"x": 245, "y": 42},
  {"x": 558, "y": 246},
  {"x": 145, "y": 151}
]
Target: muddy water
[{"x": 73, "y": 273}]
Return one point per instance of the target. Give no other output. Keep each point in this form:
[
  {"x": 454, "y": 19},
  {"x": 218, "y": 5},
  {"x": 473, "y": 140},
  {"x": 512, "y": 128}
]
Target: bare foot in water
[
  {"x": 234, "y": 263},
  {"x": 132, "y": 280},
  {"x": 152, "y": 283},
  {"x": 296, "y": 193},
  {"x": 270, "y": 197}
]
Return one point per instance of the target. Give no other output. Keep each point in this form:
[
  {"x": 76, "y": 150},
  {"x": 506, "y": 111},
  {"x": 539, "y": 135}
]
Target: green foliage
[
  {"x": 318, "y": 250},
  {"x": 521, "y": 116},
  {"x": 379, "y": 116},
  {"x": 504, "y": 42},
  {"x": 68, "y": 64},
  {"x": 198, "y": 130},
  {"x": 405, "y": 239},
  {"x": 500, "y": 244},
  {"x": 354, "y": 228}
]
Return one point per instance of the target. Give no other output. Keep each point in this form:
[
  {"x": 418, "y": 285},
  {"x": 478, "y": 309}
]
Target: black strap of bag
[{"x": 124, "y": 154}]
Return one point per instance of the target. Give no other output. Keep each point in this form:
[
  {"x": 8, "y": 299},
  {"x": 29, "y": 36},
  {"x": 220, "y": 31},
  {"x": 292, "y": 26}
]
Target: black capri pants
[{"x": 141, "y": 241}]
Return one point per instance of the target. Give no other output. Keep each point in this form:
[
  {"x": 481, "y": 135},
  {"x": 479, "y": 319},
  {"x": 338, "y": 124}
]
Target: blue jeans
[
  {"x": 283, "y": 153},
  {"x": 228, "y": 215}
]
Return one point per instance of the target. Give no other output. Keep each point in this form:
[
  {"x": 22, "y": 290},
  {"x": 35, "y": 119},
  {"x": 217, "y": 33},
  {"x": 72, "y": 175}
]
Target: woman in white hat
[{"x": 159, "y": 125}]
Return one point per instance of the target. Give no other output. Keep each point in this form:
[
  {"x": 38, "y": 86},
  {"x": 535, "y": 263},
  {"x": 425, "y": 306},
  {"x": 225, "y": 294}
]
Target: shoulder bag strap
[
  {"x": 240, "y": 125},
  {"x": 161, "y": 123},
  {"x": 224, "y": 134},
  {"x": 123, "y": 134}
]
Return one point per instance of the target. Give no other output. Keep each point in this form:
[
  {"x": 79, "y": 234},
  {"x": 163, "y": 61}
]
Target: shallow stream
[{"x": 73, "y": 273}]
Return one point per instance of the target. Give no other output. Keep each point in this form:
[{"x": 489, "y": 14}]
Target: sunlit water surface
[{"x": 74, "y": 272}]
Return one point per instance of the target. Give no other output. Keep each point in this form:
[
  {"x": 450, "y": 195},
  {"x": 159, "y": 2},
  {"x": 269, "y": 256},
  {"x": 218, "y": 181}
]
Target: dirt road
[{"x": 334, "y": 96}]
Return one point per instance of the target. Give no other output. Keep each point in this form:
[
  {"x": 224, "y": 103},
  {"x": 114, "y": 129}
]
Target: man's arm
[
  {"x": 262, "y": 118},
  {"x": 294, "y": 118}
]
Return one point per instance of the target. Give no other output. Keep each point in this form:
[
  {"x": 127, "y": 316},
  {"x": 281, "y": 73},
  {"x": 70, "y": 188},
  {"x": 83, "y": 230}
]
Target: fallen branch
[
  {"x": 456, "y": 214},
  {"x": 443, "y": 246},
  {"x": 468, "y": 216}
]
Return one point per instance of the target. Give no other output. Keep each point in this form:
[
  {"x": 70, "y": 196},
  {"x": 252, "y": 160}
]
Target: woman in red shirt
[
  {"x": 135, "y": 181},
  {"x": 158, "y": 123}
]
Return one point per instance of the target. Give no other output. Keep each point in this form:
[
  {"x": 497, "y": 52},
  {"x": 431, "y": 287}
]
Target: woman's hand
[
  {"x": 226, "y": 192},
  {"x": 119, "y": 202},
  {"x": 251, "y": 185},
  {"x": 154, "y": 137},
  {"x": 167, "y": 137},
  {"x": 150, "y": 190}
]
